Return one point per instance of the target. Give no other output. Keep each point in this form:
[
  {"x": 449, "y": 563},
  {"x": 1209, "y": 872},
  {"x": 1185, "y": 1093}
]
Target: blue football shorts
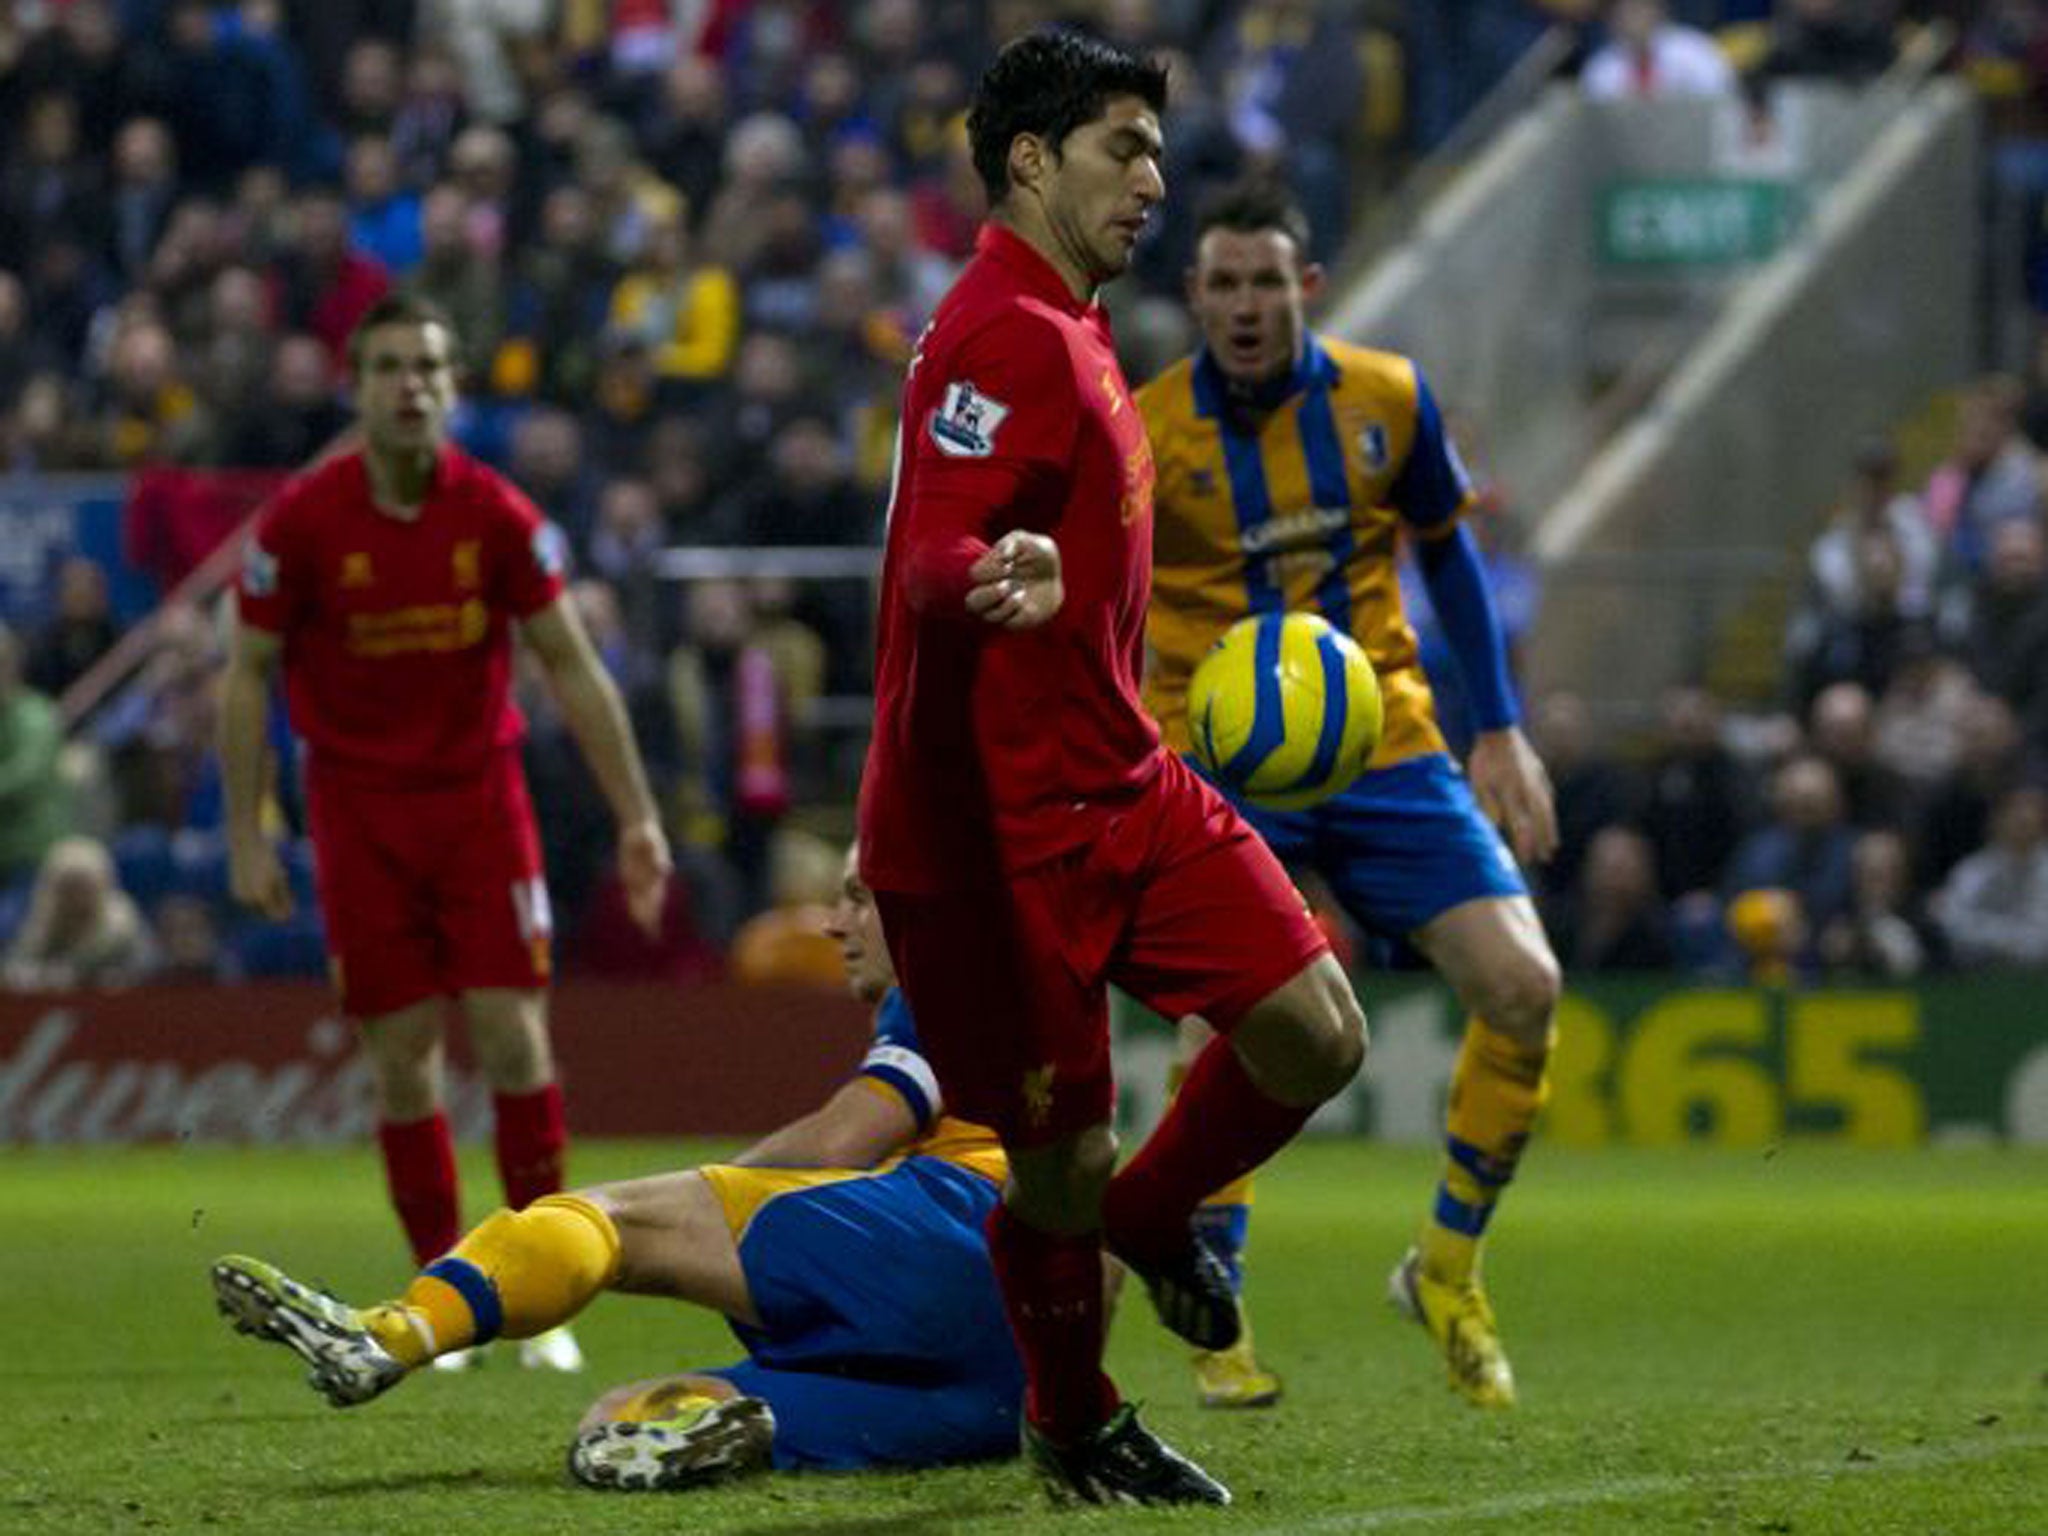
[
  {"x": 1403, "y": 845},
  {"x": 883, "y": 1340}
]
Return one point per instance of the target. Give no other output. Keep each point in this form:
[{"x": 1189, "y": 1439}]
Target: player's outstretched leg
[
  {"x": 348, "y": 1364},
  {"x": 707, "y": 1440},
  {"x": 1123, "y": 1462}
]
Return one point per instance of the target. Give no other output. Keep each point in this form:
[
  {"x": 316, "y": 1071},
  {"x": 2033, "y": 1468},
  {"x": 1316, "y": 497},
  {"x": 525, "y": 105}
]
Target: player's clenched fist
[
  {"x": 1017, "y": 583},
  {"x": 644, "y": 868},
  {"x": 256, "y": 878}
]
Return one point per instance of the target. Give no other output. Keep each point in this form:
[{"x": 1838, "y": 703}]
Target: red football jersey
[
  {"x": 396, "y": 633},
  {"x": 995, "y": 750}
]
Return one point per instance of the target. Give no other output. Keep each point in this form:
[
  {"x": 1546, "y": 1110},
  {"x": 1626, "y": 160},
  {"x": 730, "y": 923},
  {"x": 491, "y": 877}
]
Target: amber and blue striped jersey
[
  {"x": 1300, "y": 510},
  {"x": 895, "y": 1065}
]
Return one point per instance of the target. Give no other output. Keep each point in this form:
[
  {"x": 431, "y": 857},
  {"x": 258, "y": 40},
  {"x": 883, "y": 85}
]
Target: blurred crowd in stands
[{"x": 689, "y": 245}]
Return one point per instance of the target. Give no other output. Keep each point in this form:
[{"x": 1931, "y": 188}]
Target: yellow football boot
[
  {"x": 1233, "y": 1377},
  {"x": 1461, "y": 1322}
]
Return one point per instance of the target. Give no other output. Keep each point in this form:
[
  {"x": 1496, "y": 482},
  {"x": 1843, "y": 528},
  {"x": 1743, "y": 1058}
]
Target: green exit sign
[{"x": 1692, "y": 223}]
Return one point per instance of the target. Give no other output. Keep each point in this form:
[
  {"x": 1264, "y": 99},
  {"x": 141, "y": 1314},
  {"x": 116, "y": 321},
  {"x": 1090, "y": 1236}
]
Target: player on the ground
[
  {"x": 1027, "y": 838},
  {"x": 846, "y": 1249},
  {"x": 1289, "y": 466},
  {"x": 385, "y": 583}
]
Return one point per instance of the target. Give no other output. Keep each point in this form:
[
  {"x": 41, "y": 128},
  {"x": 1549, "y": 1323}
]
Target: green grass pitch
[{"x": 1812, "y": 1341}]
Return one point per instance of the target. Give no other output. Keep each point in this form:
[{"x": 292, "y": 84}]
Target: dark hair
[
  {"x": 1049, "y": 83},
  {"x": 396, "y": 309},
  {"x": 1251, "y": 206}
]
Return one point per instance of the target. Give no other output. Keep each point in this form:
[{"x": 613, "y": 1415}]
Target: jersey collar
[
  {"x": 1033, "y": 272},
  {"x": 1212, "y": 390}
]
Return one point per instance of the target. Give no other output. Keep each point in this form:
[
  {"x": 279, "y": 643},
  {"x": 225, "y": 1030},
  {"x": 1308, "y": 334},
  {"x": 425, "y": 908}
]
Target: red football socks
[
  {"x": 419, "y": 1170},
  {"x": 1052, "y": 1291},
  {"x": 1220, "y": 1126},
  {"x": 530, "y": 1137}
]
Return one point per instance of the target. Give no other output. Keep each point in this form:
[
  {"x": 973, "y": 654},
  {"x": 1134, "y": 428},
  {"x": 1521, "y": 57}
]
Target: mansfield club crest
[
  {"x": 964, "y": 426},
  {"x": 1372, "y": 443}
]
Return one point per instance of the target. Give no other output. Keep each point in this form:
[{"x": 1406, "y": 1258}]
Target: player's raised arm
[
  {"x": 597, "y": 717},
  {"x": 255, "y": 873}
]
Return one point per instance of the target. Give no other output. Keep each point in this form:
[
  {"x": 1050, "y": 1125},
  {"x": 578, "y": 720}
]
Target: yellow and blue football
[{"x": 1284, "y": 710}]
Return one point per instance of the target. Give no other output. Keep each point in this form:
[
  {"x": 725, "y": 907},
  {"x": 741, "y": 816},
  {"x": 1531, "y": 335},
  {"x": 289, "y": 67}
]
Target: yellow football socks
[
  {"x": 1497, "y": 1089},
  {"x": 518, "y": 1274}
]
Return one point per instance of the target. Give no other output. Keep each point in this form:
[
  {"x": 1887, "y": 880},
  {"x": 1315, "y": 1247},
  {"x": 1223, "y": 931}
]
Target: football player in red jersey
[
  {"x": 385, "y": 583},
  {"x": 1027, "y": 839}
]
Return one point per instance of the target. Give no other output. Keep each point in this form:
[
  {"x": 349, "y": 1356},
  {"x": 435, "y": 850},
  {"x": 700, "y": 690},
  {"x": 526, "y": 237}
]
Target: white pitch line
[{"x": 1911, "y": 1458}]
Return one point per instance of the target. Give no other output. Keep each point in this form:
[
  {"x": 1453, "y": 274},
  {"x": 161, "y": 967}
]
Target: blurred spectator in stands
[
  {"x": 43, "y": 432},
  {"x": 67, "y": 289},
  {"x": 323, "y": 284},
  {"x": 78, "y": 633},
  {"x": 1992, "y": 475},
  {"x": 684, "y": 312},
  {"x": 678, "y": 469},
  {"x": 148, "y": 411},
  {"x": 560, "y": 288},
  {"x": 733, "y": 708},
  {"x": 299, "y": 414},
  {"x": 188, "y": 941},
  {"x": 486, "y": 38},
  {"x": 429, "y": 118},
  {"x": 144, "y": 189},
  {"x": 1841, "y": 727},
  {"x": 1874, "y": 500},
  {"x": 548, "y": 463},
  {"x": 1291, "y": 82},
  {"x": 1848, "y": 41},
  {"x": 383, "y": 212},
  {"x": 35, "y": 806},
  {"x": 625, "y": 403},
  {"x": 235, "y": 95},
  {"x": 628, "y": 200},
  {"x": 791, "y": 941},
  {"x": 370, "y": 85},
  {"x": 1993, "y": 907},
  {"x": 1956, "y": 819},
  {"x": 1590, "y": 789},
  {"x": 762, "y": 45},
  {"x": 1614, "y": 920},
  {"x": 1649, "y": 56},
  {"x": 158, "y": 732},
  {"x": 856, "y": 162},
  {"x": 831, "y": 106},
  {"x": 1886, "y": 935},
  {"x": 484, "y": 164},
  {"x": 257, "y": 225},
  {"x": 79, "y": 55},
  {"x": 463, "y": 277},
  {"x": 908, "y": 278},
  {"x": 1917, "y": 732},
  {"x": 1862, "y": 645},
  {"x": 767, "y": 389},
  {"x": 1695, "y": 796},
  {"x": 81, "y": 930},
  {"x": 764, "y": 158},
  {"x": 806, "y": 495},
  {"x": 2002, "y": 616},
  {"x": 623, "y": 550},
  {"x": 1802, "y": 847},
  {"x": 48, "y": 181},
  {"x": 779, "y": 286},
  {"x": 685, "y": 130}
]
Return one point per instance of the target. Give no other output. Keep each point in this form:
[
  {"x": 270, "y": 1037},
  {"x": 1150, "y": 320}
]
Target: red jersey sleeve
[
  {"x": 270, "y": 589},
  {"x": 995, "y": 418},
  {"x": 533, "y": 563}
]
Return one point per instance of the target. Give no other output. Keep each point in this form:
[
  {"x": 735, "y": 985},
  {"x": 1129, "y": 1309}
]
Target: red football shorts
[
  {"x": 1179, "y": 903},
  {"x": 429, "y": 892}
]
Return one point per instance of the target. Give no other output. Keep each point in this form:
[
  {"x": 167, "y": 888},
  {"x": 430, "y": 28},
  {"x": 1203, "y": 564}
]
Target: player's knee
[
  {"x": 1521, "y": 997},
  {"x": 1306, "y": 1041}
]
